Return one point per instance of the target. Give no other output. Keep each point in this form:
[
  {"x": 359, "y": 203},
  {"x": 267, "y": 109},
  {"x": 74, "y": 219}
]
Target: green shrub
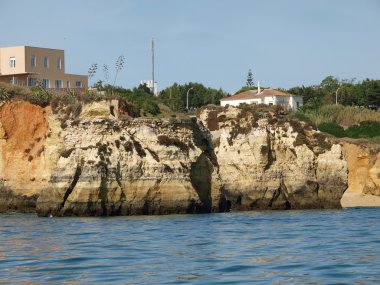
[
  {"x": 366, "y": 129},
  {"x": 301, "y": 116},
  {"x": 4, "y": 95},
  {"x": 332, "y": 129},
  {"x": 150, "y": 107}
]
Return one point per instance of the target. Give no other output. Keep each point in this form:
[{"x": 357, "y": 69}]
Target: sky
[{"x": 285, "y": 43}]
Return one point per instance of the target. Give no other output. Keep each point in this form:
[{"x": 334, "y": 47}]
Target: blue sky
[{"x": 214, "y": 42}]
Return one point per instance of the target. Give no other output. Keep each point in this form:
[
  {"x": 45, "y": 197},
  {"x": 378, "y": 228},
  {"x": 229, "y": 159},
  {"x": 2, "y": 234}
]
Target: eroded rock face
[
  {"x": 364, "y": 175},
  {"x": 102, "y": 164},
  {"x": 111, "y": 167},
  {"x": 275, "y": 166},
  {"x": 24, "y": 167}
]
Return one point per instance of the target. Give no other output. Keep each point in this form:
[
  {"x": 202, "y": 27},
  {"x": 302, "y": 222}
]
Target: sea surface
[{"x": 270, "y": 247}]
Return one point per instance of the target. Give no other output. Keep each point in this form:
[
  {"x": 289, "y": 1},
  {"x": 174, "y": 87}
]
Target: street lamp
[
  {"x": 187, "y": 98},
  {"x": 336, "y": 95}
]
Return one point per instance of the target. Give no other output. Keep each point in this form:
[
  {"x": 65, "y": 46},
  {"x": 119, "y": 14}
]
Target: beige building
[{"x": 24, "y": 65}]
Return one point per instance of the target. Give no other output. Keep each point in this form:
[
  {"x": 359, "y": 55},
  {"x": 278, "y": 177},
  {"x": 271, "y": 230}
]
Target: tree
[
  {"x": 142, "y": 102},
  {"x": 330, "y": 83},
  {"x": 175, "y": 96},
  {"x": 250, "y": 82},
  {"x": 352, "y": 93}
]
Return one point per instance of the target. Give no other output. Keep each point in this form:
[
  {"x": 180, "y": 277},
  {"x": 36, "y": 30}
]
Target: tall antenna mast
[{"x": 153, "y": 66}]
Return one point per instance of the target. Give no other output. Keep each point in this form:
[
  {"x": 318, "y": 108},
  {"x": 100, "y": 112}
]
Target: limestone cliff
[
  {"x": 102, "y": 162},
  {"x": 111, "y": 167},
  {"x": 364, "y": 174},
  {"x": 266, "y": 163}
]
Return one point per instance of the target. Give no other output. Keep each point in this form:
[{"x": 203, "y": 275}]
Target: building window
[
  {"x": 298, "y": 104},
  {"x": 12, "y": 62},
  {"x": 45, "y": 83},
  {"x": 33, "y": 61},
  {"x": 78, "y": 84},
  {"x": 58, "y": 84},
  {"x": 32, "y": 81},
  {"x": 59, "y": 63},
  {"x": 68, "y": 84},
  {"x": 14, "y": 80},
  {"x": 46, "y": 62}
]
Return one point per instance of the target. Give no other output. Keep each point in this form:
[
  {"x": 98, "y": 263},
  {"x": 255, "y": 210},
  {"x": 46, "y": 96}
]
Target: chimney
[{"x": 258, "y": 88}]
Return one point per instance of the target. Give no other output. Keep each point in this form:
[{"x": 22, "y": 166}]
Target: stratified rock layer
[{"x": 103, "y": 163}]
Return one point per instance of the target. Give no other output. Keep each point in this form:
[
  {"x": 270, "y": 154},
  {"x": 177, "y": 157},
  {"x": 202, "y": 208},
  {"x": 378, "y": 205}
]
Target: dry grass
[
  {"x": 15, "y": 90},
  {"x": 167, "y": 113},
  {"x": 374, "y": 140},
  {"x": 343, "y": 115}
]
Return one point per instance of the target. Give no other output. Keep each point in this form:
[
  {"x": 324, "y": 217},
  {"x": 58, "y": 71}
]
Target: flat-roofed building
[{"x": 25, "y": 66}]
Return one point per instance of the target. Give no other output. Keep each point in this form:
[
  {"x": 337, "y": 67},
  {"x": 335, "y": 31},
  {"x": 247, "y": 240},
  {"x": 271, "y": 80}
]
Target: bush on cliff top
[
  {"x": 343, "y": 121},
  {"x": 332, "y": 129},
  {"x": 35, "y": 95},
  {"x": 366, "y": 129},
  {"x": 344, "y": 116},
  {"x": 135, "y": 102}
]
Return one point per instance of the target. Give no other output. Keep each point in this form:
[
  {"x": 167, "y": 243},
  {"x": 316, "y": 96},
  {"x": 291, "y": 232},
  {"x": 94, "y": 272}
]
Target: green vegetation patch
[
  {"x": 366, "y": 129},
  {"x": 332, "y": 129}
]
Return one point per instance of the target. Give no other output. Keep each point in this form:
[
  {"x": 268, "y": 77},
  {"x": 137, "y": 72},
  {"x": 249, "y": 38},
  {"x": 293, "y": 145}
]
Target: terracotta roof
[
  {"x": 251, "y": 94},
  {"x": 273, "y": 92}
]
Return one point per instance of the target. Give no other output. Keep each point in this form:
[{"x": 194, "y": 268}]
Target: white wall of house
[
  {"x": 282, "y": 100},
  {"x": 295, "y": 102},
  {"x": 270, "y": 100},
  {"x": 291, "y": 102},
  {"x": 238, "y": 102}
]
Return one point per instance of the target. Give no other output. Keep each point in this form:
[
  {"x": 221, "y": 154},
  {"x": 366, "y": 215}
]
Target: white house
[{"x": 265, "y": 96}]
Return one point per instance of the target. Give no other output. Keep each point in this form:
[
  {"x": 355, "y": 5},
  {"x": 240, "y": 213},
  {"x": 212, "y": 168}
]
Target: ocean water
[{"x": 270, "y": 247}]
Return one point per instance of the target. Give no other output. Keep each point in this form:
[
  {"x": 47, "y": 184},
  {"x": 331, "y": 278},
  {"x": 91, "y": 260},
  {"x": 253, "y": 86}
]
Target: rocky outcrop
[
  {"x": 364, "y": 174},
  {"x": 111, "y": 167},
  {"x": 102, "y": 162},
  {"x": 268, "y": 164}
]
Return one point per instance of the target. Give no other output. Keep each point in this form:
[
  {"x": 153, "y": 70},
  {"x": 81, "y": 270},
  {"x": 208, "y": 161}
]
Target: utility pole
[
  {"x": 187, "y": 98},
  {"x": 153, "y": 67},
  {"x": 336, "y": 95}
]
